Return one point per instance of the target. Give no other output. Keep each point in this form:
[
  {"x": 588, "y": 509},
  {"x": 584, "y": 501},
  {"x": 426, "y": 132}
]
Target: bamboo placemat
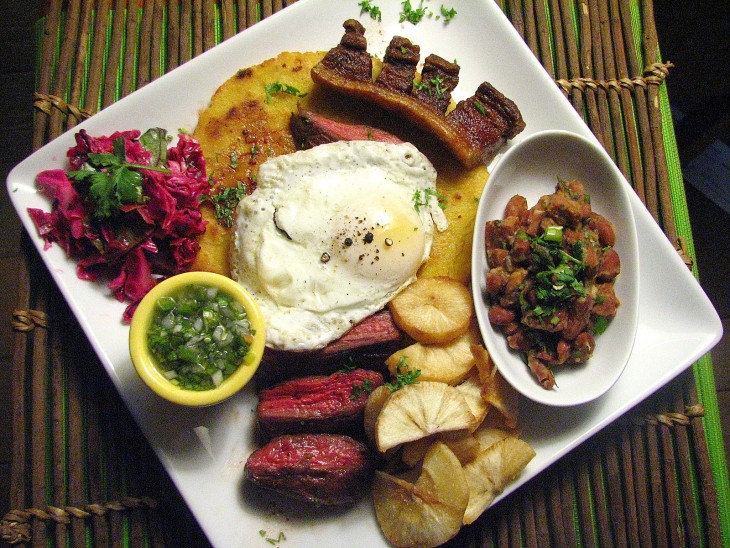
[{"x": 82, "y": 473}]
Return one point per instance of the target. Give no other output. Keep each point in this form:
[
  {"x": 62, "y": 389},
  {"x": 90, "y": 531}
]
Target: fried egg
[{"x": 331, "y": 234}]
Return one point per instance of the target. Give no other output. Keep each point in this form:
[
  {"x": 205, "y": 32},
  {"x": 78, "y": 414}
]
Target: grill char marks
[
  {"x": 473, "y": 133},
  {"x": 350, "y": 59},
  {"x": 438, "y": 79},
  {"x": 399, "y": 66},
  {"x": 488, "y": 119}
]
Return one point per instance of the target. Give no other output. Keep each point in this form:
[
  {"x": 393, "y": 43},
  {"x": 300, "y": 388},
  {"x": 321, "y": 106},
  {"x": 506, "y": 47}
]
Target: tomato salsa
[
  {"x": 550, "y": 286},
  {"x": 199, "y": 336}
]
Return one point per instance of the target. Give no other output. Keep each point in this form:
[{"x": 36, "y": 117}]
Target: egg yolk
[{"x": 383, "y": 241}]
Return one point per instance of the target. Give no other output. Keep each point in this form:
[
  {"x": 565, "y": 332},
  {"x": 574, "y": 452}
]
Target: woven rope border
[
  {"x": 28, "y": 320},
  {"x": 654, "y": 75},
  {"x": 16, "y": 525}
]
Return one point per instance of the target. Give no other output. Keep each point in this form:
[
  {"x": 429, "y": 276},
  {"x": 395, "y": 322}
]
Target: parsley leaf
[
  {"x": 112, "y": 182},
  {"x": 422, "y": 197},
  {"x": 225, "y": 202},
  {"x": 403, "y": 375},
  {"x": 413, "y": 15},
  {"x": 374, "y": 11},
  {"x": 358, "y": 389},
  {"x": 278, "y": 87},
  {"x": 447, "y": 13}
]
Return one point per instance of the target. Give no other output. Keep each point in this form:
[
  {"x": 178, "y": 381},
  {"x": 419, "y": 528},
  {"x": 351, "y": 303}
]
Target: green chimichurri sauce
[{"x": 199, "y": 336}]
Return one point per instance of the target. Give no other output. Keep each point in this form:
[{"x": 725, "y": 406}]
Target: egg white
[{"x": 331, "y": 234}]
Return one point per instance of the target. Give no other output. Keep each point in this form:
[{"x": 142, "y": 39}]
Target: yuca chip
[
  {"x": 492, "y": 471},
  {"x": 495, "y": 389}
]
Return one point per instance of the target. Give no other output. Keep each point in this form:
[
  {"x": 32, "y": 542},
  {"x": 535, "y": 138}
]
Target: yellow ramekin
[{"x": 146, "y": 365}]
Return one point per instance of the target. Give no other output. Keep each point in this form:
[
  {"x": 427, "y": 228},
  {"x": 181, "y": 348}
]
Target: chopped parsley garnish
[
  {"x": 112, "y": 181},
  {"x": 358, "y": 389},
  {"x": 272, "y": 540},
  {"x": 403, "y": 375},
  {"x": 558, "y": 276},
  {"x": 479, "y": 107},
  {"x": 432, "y": 85},
  {"x": 422, "y": 197},
  {"x": 367, "y": 7},
  {"x": 411, "y": 14},
  {"x": 225, "y": 202},
  {"x": 600, "y": 325},
  {"x": 447, "y": 13},
  {"x": 278, "y": 87}
]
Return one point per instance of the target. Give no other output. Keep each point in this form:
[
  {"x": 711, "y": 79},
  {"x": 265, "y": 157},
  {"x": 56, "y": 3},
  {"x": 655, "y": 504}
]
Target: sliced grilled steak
[
  {"x": 310, "y": 129},
  {"x": 320, "y": 403},
  {"x": 326, "y": 469},
  {"x": 473, "y": 134}
]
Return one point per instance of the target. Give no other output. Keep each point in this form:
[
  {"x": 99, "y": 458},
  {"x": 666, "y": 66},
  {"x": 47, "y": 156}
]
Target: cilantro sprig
[
  {"x": 411, "y": 14},
  {"x": 366, "y": 6},
  {"x": 403, "y": 375},
  {"x": 278, "y": 87},
  {"x": 225, "y": 202},
  {"x": 112, "y": 182},
  {"x": 422, "y": 197},
  {"x": 559, "y": 274}
]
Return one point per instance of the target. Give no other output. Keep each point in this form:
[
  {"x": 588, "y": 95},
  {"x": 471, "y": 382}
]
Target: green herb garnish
[
  {"x": 403, "y": 375},
  {"x": 411, "y": 14},
  {"x": 367, "y": 7},
  {"x": 422, "y": 197},
  {"x": 558, "y": 276},
  {"x": 600, "y": 325},
  {"x": 112, "y": 181},
  {"x": 358, "y": 389},
  {"x": 431, "y": 86},
  {"x": 447, "y": 13},
  {"x": 278, "y": 87},
  {"x": 225, "y": 202}
]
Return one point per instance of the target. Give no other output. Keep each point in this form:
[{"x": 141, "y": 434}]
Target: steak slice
[
  {"x": 310, "y": 129},
  {"x": 326, "y": 469},
  {"x": 318, "y": 403}
]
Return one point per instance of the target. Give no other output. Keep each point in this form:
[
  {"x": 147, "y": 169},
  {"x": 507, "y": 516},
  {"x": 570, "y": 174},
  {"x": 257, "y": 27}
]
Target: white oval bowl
[{"x": 531, "y": 168}]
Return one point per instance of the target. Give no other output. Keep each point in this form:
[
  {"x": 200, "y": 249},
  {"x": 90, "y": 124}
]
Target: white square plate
[{"x": 677, "y": 323}]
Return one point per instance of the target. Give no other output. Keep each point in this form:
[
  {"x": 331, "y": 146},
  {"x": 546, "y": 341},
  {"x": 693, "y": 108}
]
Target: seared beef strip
[
  {"x": 319, "y": 403},
  {"x": 310, "y": 129},
  {"x": 326, "y": 469},
  {"x": 473, "y": 131}
]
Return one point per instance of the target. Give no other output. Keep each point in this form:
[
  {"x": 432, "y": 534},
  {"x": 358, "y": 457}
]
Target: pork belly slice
[
  {"x": 325, "y": 469},
  {"x": 438, "y": 78},
  {"x": 399, "y": 66},
  {"x": 474, "y": 134}
]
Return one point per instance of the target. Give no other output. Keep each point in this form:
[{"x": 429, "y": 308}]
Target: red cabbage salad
[{"x": 127, "y": 209}]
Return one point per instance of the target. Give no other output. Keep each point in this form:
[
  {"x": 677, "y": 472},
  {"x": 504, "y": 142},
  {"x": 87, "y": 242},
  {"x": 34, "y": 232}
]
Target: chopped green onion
[
  {"x": 553, "y": 234},
  {"x": 199, "y": 336}
]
